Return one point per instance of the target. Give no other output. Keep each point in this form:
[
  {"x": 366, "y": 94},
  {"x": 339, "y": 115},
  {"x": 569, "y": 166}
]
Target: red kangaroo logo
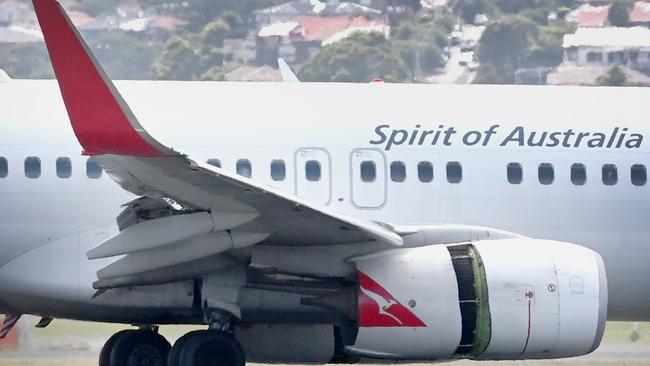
[{"x": 378, "y": 308}]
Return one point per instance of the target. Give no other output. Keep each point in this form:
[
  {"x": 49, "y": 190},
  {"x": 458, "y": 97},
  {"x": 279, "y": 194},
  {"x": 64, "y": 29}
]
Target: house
[
  {"x": 587, "y": 75},
  {"x": 640, "y": 14},
  {"x": 608, "y": 46},
  {"x": 588, "y": 15}
]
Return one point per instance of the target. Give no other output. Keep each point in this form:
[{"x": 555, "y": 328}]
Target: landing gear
[
  {"x": 207, "y": 348},
  {"x": 135, "y": 348}
]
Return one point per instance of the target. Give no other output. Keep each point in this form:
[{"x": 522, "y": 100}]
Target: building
[
  {"x": 640, "y": 14},
  {"x": 588, "y": 15},
  {"x": 608, "y": 47}
]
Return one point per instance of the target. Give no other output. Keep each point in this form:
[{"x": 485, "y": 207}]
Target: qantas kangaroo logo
[{"x": 378, "y": 308}]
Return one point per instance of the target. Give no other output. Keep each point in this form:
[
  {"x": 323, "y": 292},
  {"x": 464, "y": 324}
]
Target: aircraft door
[
  {"x": 368, "y": 168},
  {"x": 313, "y": 175}
]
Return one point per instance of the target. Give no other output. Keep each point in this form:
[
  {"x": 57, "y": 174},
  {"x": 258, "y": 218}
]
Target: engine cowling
[{"x": 499, "y": 299}]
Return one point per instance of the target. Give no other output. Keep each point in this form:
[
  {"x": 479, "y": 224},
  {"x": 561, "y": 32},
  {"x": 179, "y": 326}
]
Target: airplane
[{"x": 321, "y": 223}]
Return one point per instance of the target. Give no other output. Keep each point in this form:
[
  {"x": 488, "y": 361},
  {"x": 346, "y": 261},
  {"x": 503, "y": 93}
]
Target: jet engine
[{"x": 497, "y": 299}]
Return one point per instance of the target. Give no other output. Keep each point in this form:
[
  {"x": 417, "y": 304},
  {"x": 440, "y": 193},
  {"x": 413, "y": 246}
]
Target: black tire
[
  {"x": 105, "y": 354},
  {"x": 212, "y": 348},
  {"x": 140, "y": 348},
  {"x": 175, "y": 354}
]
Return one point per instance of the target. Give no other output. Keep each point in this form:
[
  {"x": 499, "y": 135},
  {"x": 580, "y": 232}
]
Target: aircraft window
[
  {"x": 454, "y": 172},
  {"x": 545, "y": 173},
  {"x": 244, "y": 168},
  {"x": 278, "y": 170},
  {"x": 32, "y": 167},
  {"x": 397, "y": 171},
  {"x": 93, "y": 169},
  {"x": 578, "y": 174},
  {"x": 4, "y": 168},
  {"x": 215, "y": 162},
  {"x": 425, "y": 171},
  {"x": 63, "y": 168},
  {"x": 368, "y": 171},
  {"x": 610, "y": 175},
  {"x": 312, "y": 171},
  {"x": 638, "y": 174},
  {"x": 515, "y": 173}
]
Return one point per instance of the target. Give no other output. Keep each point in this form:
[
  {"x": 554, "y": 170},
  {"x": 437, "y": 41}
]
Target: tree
[
  {"x": 469, "y": 9},
  {"x": 619, "y": 13},
  {"x": 94, "y": 7},
  {"x": 614, "y": 77},
  {"x": 178, "y": 61},
  {"x": 358, "y": 58},
  {"x": 215, "y": 32},
  {"x": 25, "y": 60},
  {"x": 125, "y": 55},
  {"x": 505, "y": 44}
]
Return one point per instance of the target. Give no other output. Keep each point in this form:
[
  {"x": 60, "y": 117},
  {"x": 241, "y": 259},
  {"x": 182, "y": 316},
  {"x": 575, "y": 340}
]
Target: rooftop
[{"x": 608, "y": 37}]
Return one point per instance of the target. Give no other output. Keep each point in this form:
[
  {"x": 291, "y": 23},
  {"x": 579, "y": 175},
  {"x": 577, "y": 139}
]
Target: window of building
[
  {"x": 545, "y": 173},
  {"x": 215, "y": 162},
  {"x": 578, "y": 174},
  {"x": 610, "y": 174},
  {"x": 515, "y": 173},
  {"x": 368, "y": 171},
  {"x": 93, "y": 169},
  {"x": 278, "y": 170},
  {"x": 638, "y": 175},
  {"x": 4, "y": 167},
  {"x": 594, "y": 57},
  {"x": 615, "y": 57},
  {"x": 425, "y": 171},
  {"x": 244, "y": 168},
  {"x": 63, "y": 168},
  {"x": 32, "y": 167},
  {"x": 454, "y": 172},
  {"x": 312, "y": 171},
  {"x": 571, "y": 54},
  {"x": 397, "y": 171}
]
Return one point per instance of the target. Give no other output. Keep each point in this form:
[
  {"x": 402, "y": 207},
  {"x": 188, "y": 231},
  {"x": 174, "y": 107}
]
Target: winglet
[
  {"x": 101, "y": 119},
  {"x": 287, "y": 75}
]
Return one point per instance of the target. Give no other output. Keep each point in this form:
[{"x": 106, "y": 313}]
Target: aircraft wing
[{"x": 212, "y": 200}]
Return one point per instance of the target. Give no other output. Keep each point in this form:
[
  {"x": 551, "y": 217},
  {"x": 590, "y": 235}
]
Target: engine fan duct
[{"x": 498, "y": 299}]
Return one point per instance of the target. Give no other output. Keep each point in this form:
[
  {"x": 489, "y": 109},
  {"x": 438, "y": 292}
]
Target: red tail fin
[{"x": 101, "y": 119}]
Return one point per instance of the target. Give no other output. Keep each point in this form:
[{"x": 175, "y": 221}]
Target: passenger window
[
  {"x": 515, "y": 173},
  {"x": 244, "y": 168},
  {"x": 4, "y": 168},
  {"x": 578, "y": 174},
  {"x": 93, "y": 169},
  {"x": 610, "y": 174},
  {"x": 425, "y": 171},
  {"x": 397, "y": 171},
  {"x": 215, "y": 162},
  {"x": 32, "y": 167},
  {"x": 368, "y": 171},
  {"x": 312, "y": 171},
  {"x": 545, "y": 173},
  {"x": 638, "y": 174},
  {"x": 63, "y": 168},
  {"x": 454, "y": 172},
  {"x": 278, "y": 170}
]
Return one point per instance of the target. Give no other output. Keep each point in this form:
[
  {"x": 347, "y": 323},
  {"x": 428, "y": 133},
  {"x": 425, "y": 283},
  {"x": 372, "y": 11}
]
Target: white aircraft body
[{"x": 311, "y": 223}]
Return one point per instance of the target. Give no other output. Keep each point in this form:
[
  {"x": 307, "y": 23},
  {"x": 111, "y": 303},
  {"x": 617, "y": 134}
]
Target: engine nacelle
[{"x": 497, "y": 299}]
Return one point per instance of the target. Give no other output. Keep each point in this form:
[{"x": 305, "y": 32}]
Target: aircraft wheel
[
  {"x": 212, "y": 348},
  {"x": 175, "y": 354},
  {"x": 105, "y": 354},
  {"x": 140, "y": 348}
]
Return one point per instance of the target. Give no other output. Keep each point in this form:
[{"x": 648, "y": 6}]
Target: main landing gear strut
[{"x": 145, "y": 347}]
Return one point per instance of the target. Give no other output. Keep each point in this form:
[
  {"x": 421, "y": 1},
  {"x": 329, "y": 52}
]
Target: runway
[{"x": 67, "y": 343}]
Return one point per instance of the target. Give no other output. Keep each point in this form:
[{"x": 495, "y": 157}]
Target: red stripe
[
  {"x": 529, "y": 324},
  {"x": 101, "y": 124}
]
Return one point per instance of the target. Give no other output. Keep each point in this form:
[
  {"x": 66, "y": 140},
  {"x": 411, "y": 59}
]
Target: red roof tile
[
  {"x": 640, "y": 12},
  {"x": 589, "y": 16}
]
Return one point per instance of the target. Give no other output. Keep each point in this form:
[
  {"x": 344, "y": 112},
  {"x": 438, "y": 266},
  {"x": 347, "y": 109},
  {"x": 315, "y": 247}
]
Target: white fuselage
[{"x": 340, "y": 127}]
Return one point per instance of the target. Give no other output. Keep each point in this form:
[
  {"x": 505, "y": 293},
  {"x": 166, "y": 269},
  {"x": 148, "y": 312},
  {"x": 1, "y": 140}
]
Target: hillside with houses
[{"x": 558, "y": 42}]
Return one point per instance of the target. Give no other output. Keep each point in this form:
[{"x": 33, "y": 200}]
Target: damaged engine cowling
[{"x": 498, "y": 299}]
